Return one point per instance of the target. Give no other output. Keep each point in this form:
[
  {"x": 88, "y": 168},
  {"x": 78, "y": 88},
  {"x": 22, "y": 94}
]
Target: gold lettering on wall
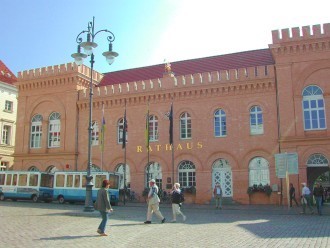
[{"x": 168, "y": 147}]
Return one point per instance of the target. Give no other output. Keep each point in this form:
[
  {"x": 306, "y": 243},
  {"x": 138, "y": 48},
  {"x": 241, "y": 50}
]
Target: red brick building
[{"x": 231, "y": 114}]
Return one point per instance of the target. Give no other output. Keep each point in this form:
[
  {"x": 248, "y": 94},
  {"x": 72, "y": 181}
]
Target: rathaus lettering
[{"x": 168, "y": 147}]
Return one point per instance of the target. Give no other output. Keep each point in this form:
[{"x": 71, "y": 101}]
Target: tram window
[
  {"x": 83, "y": 183},
  {"x": 9, "y": 177},
  {"x": 14, "y": 179},
  {"x": 98, "y": 180},
  {"x": 114, "y": 181},
  {"x": 33, "y": 180},
  {"x": 69, "y": 181},
  {"x": 22, "y": 180},
  {"x": 60, "y": 180},
  {"x": 46, "y": 180},
  {"x": 2, "y": 179},
  {"x": 77, "y": 181}
]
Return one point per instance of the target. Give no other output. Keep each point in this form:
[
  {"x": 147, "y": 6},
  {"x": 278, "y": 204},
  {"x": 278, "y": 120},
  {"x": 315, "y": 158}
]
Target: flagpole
[
  {"x": 124, "y": 144},
  {"x": 102, "y": 137},
  {"x": 147, "y": 145},
  {"x": 172, "y": 148}
]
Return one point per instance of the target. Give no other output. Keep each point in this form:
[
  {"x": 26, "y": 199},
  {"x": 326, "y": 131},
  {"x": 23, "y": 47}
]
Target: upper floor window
[
  {"x": 185, "y": 126},
  {"x": 313, "y": 108},
  {"x": 36, "y": 131},
  {"x": 120, "y": 130},
  {"x": 153, "y": 128},
  {"x": 6, "y": 135},
  {"x": 4, "y": 165},
  {"x": 259, "y": 171},
  {"x": 256, "y": 120},
  {"x": 54, "y": 130},
  {"x": 95, "y": 133},
  {"x": 9, "y": 106},
  {"x": 220, "y": 125}
]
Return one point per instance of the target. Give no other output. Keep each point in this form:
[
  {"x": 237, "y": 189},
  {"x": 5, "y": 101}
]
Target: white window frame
[
  {"x": 54, "y": 130},
  {"x": 314, "y": 114},
  {"x": 9, "y": 106},
  {"x": 259, "y": 171},
  {"x": 256, "y": 115},
  {"x": 185, "y": 126},
  {"x": 120, "y": 130},
  {"x": 220, "y": 123},
  {"x": 153, "y": 128},
  {"x": 4, "y": 165},
  {"x": 187, "y": 174},
  {"x": 36, "y": 131},
  {"x": 6, "y": 133},
  {"x": 95, "y": 133}
]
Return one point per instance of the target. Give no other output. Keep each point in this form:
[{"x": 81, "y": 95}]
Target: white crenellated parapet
[
  {"x": 296, "y": 34},
  {"x": 224, "y": 76}
]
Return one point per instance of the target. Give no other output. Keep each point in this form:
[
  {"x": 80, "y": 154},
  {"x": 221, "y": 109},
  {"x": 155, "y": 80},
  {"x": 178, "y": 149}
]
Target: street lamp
[{"x": 110, "y": 56}]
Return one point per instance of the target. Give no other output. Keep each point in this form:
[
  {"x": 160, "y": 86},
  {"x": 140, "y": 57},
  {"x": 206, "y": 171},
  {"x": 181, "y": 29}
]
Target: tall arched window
[
  {"x": 187, "y": 174},
  {"x": 154, "y": 171},
  {"x": 313, "y": 108},
  {"x": 36, "y": 131},
  {"x": 220, "y": 125},
  {"x": 120, "y": 169},
  {"x": 256, "y": 120},
  {"x": 120, "y": 128},
  {"x": 259, "y": 171},
  {"x": 153, "y": 128},
  {"x": 185, "y": 126},
  {"x": 95, "y": 133},
  {"x": 54, "y": 130}
]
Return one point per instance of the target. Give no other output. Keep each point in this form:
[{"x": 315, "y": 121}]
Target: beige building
[
  {"x": 231, "y": 115},
  {"x": 8, "y": 111}
]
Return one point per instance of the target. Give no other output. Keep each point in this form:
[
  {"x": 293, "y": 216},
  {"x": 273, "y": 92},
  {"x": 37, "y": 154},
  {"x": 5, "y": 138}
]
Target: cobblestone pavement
[{"x": 27, "y": 224}]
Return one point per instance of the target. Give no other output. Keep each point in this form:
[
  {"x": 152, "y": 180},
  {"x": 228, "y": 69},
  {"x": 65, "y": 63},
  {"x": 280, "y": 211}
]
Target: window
[
  {"x": 33, "y": 180},
  {"x": 99, "y": 180},
  {"x": 317, "y": 160},
  {"x": 187, "y": 174},
  {"x": 6, "y": 133},
  {"x": 185, "y": 126},
  {"x": 313, "y": 108},
  {"x": 154, "y": 171},
  {"x": 22, "y": 180},
  {"x": 256, "y": 120},
  {"x": 220, "y": 125},
  {"x": 4, "y": 165},
  {"x": 36, "y": 131},
  {"x": 9, "y": 106},
  {"x": 95, "y": 133},
  {"x": 259, "y": 171},
  {"x": 60, "y": 180},
  {"x": 120, "y": 170},
  {"x": 120, "y": 128},
  {"x": 33, "y": 168},
  {"x": 153, "y": 128},
  {"x": 54, "y": 130}
]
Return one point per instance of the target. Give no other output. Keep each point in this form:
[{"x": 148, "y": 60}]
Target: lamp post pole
[{"x": 88, "y": 47}]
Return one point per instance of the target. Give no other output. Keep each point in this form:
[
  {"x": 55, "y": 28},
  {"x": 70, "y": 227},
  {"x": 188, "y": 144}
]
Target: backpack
[{"x": 181, "y": 197}]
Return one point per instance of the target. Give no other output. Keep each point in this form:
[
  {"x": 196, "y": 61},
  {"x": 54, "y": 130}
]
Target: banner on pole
[{"x": 286, "y": 162}]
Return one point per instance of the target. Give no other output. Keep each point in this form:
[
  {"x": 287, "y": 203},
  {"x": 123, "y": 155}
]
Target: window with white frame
[
  {"x": 313, "y": 108},
  {"x": 9, "y": 106},
  {"x": 154, "y": 171},
  {"x": 121, "y": 169},
  {"x": 33, "y": 168},
  {"x": 95, "y": 133},
  {"x": 259, "y": 171},
  {"x": 4, "y": 165},
  {"x": 54, "y": 130},
  {"x": 317, "y": 160},
  {"x": 120, "y": 130},
  {"x": 153, "y": 128},
  {"x": 187, "y": 174},
  {"x": 185, "y": 126},
  {"x": 6, "y": 135},
  {"x": 36, "y": 131},
  {"x": 256, "y": 120},
  {"x": 220, "y": 124}
]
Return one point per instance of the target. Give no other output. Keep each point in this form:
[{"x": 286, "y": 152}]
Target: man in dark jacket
[
  {"x": 177, "y": 199},
  {"x": 318, "y": 194}
]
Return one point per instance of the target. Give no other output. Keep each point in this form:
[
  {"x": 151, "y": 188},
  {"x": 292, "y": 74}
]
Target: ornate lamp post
[{"x": 88, "y": 47}]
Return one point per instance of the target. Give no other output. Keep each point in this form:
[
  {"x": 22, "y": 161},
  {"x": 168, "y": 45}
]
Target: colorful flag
[
  {"x": 125, "y": 126},
  {"x": 147, "y": 127},
  {"x": 102, "y": 130},
  {"x": 170, "y": 117}
]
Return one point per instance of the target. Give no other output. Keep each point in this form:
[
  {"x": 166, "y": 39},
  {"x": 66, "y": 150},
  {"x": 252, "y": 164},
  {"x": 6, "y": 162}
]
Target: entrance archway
[
  {"x": 221, "y": 173},
  {"x": 317, "y": 164}
]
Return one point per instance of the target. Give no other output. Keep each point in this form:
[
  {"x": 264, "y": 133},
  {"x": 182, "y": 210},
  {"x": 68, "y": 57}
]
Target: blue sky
[{"x": 39, "y": 33}]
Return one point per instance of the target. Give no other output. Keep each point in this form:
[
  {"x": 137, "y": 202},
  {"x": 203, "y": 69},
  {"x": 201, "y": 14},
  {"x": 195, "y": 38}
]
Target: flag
[
  {"x": 102, "y": 130},
  {"x": 170, "y": 117},
  {"x": 124, "y": 129},
  {"x": 147, "y": 127}
]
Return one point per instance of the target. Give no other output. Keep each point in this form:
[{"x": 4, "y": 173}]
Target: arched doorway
[
  {"x": 154, "y": 171},
  {"x": 120, "y": 170},
  {"x": 317, "y": 165},
  {"x": 221, "y": 173}
]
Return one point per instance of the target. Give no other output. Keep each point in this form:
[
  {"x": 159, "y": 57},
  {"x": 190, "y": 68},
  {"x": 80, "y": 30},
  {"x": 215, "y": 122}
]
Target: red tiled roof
[
  {"x": 192, "y": 66},
  {"x": 6, "y": 75}
]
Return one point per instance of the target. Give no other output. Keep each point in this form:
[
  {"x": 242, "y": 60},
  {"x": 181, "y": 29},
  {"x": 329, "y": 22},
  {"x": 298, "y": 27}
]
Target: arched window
[
  {"x": 54, "y": 130},
  {"x": 187, "y": 174},
  {"x": 95, "y": 133},
  {"x": 154, "y": 171},
  {"x": 185, "y": 126},
  {"x": 153, "y": 128},
  {"x": 36, "y": 131},
  {"x": 256, "y": 120},
  {"x": 317, "y": 160},
  {"x": 259, "y": 171},
  {"x": 120, "y": 170},
  {"x": 94, "y": 167},
  {"x": 51, "y": 169},
  {"x": 313, "y": 108},
  {"x": 120, "y": 128},
  {"x": 220, "y": 125},
  {"x": 33, "y": 168}
]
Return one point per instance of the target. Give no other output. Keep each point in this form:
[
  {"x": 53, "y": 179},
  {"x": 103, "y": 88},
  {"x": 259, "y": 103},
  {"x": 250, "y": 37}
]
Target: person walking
[
  {"x": 177, "y": 199},
  {"x": 153, "y": 203},
  {"x": 306, "y": 199},
  {"x": 318, "y": 194},
  {"x": 103, "y": 205},
  {"x": 292, "y": 193},
  {"x": 217, "y": 192}
]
